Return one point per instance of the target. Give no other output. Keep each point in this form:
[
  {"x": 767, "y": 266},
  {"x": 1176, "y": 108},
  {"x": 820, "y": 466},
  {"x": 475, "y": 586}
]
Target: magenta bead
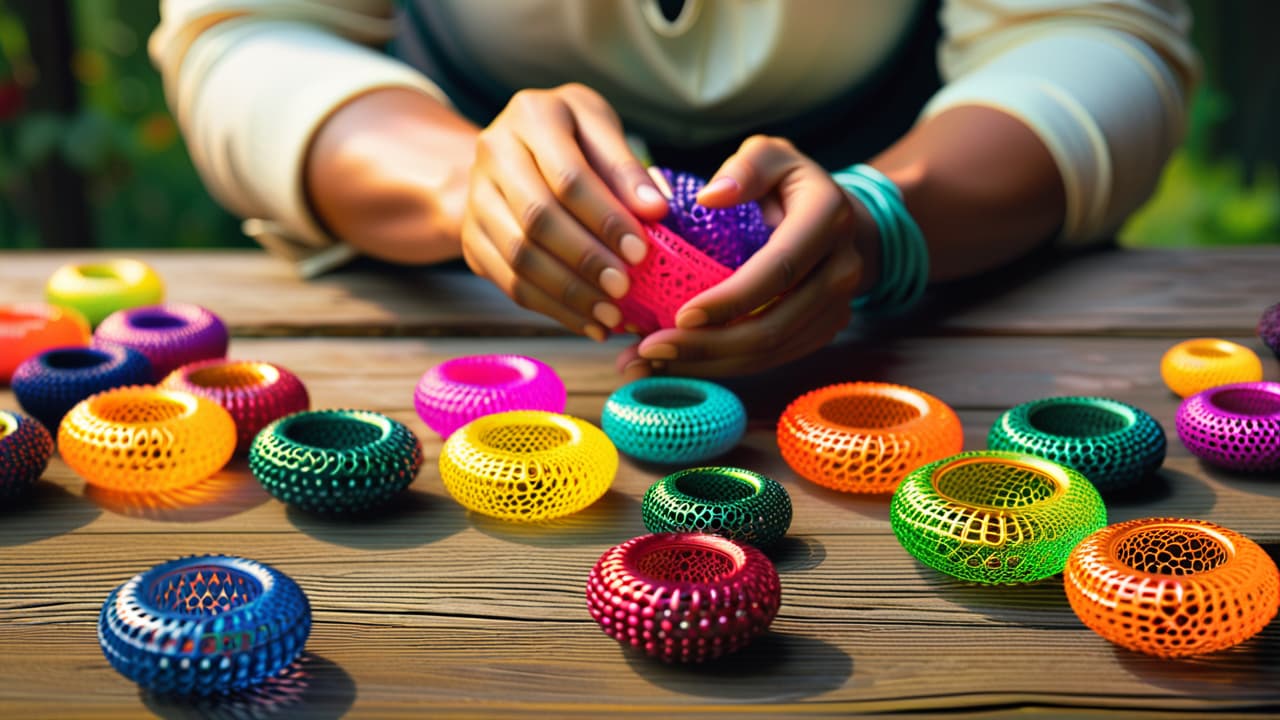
[
  {"x": 255, "y": 393},
  {"x": 671, "y": 274},
  {"x": 1236, "y": 427},
  {"x": 458, "y": 391},
  {"x": 170, "y": 335}
]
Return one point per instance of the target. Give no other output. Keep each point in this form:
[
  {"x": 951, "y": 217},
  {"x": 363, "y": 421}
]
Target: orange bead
[
  {"x": 1172, "y": 587},
  {"x": 28, "y": 329},
  {"x": 864, "y": 437},
  {"x": 1195, "y": 365}
]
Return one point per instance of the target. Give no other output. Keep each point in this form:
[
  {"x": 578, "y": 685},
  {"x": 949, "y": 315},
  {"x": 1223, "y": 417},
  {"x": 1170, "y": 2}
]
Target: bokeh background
[{"x": 89, "y": 156}]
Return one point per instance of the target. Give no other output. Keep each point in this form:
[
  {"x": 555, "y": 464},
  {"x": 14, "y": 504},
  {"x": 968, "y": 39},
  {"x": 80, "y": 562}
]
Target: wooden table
[{"x": 429, "y": 608}]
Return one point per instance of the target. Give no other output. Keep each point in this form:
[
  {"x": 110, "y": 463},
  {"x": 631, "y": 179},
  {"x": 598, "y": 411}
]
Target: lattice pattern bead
[
  {"x": 864, "y": 437},
  {"x": 730, "y": 236},
  {"x": 683, "y": 597},
  {"x": 255, "y": 393},
  {"x": 96, "y": 290},
  {"x": 51, "y": 383},
  {"x": 1195, "y": 365},
  {"x": 169, "y": 335},
  {"x": 145, "y": 439},
  {"x": 1172, "y": 587},
  {"x": 671, "y": 274},
  {"x": 1114, "y": 444},
  {"x": 738, "y": 504},
  {"x": 28, "y": 329},
  {"x": 995, "y": 517},
  {"x": 673, "y": 420},
  {"x": 1236, "y": 427},
  {"x": 460, "y": 390},
  {"x": 204, "y": 625},
  {"x": 527, "y": 465},
  {"x": 1269, "y": 328},
  {"x": 335, "y": 461},
  {"x": 25, "y": 449}
]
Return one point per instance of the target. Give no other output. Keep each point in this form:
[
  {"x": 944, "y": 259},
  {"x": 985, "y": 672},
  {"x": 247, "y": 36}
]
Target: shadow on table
[
  {"x": 229, "y": 492},
  {"x": 1040, "y": 604},
  {"x": 1190, "y": 495},
  {"x": 412, "y": 518},
  {"x": 871, "y": 507},
  {"x": 1253, "y": 665},
  {"x": 611, "y": 519},
  {"x": 774, "y": 667},
  {"x": 312, "y": 687},
  {"x": 46, "y": 511},
  {"x": 796, "y": 553},
  {"x": 1257, "y": 483}
]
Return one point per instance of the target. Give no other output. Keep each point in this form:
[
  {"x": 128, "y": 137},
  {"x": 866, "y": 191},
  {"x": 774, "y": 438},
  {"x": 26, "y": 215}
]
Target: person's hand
[
  {"x": 552, "y": 207},
  {"x": 793, "y": 295}
]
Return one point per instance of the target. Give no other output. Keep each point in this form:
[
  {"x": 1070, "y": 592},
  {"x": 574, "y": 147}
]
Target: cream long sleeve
[{"x": 1104, "y": 84}]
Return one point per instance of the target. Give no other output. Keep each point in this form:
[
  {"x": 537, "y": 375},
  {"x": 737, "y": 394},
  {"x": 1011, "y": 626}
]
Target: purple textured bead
[
  {"x": 458, "y": 391},
  {"x": 727, "y": 235},
  {"x": 1269, "y": 328},
  {"x": 1236, "y": 427},
  {"x": 169, "y": 335}
]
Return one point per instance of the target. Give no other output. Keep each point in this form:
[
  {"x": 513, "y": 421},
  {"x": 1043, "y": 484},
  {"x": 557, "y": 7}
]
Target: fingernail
[
  {"x": 692, "y": 318},
  {"x": 636, "y": 366},
  {"x": 649, "y": 195},
  {"x": 614, "y": 282},
  {"x": 658, "y": 179},
  {"x": 633, "y": 248},
  {"x": 609, "y": 315},
  {"x": 720, "y": 185},
  {"x": 595, "y": 332},
  {"x": 661, "y": 351}
]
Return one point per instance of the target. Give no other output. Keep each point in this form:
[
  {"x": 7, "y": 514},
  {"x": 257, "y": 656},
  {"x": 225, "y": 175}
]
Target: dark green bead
[{"x": 738, "y": 504}]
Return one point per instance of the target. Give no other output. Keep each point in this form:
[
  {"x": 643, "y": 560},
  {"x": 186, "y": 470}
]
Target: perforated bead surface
[
  {"x": 335, "y": 461},
  {"x": 673, "y": 420},
  {"x": 672, "y": 272},
  {"x": 96, "y": 290},
  {"x": 865, "y": 437},
  {"x": 51, "y": 383},
  {"x": 683, "y": 597},
  {"x": 28, "y": 329},
  {"x": 169, "y": 335},
  {"x": 527, "y": 465},
  {"x": 1114, "y": 444},
  {"x": 1195, "y": 365},
  {"x": 1236, "y": 427},
  {"x": 460, "y": 390},
  {"x": 1172, "y": 587},
  {"x": 730, "y": 236},
  {"x": 25, "y": 449},
  {"x": 1269, "y": 328},
  {"x": 255, "y": 393},
  {"x": 994, "y": 516},
  {"x": 145, "y": 439},
  {"x": 204, "y": 625},
  {"x": 738, "y": 504}
]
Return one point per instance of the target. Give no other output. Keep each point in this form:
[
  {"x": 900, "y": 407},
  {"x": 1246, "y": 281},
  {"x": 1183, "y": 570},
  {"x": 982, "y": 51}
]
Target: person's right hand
[{"x": 552, "y": 207}]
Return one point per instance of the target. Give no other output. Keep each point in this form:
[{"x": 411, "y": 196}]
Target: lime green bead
[{"x": 99, "y": 289}]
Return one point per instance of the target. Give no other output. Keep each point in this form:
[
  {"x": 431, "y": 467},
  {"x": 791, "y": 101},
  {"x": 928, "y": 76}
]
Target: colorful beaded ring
[
  {"x": 673, "y": 420},
  {"x": 730, "y": 235},
  {"x": 1269, "y": 328},
  {"x": 1203, "y": 363},
  {"x": 527, "y": 465},
  {"x": 683, "y": 597},
  {"x": 335, "y": 461},
  {"x": 1236, "y": 427},
  {"x": 995, "y": 517},
  {"x": 1172, "y": 587},
  {"x": 145, "y": 439},
  {"x": 738, "y": 504},
  {"x": 25, "y": 449},
  {"x": 51, "y": 383},
  {"x": 204, "y": 625},
  {"x": 458, "y": 391},
  {"x": 98, "y": 289},
  {"x": 671, "y": 273},
  {"x": 1115, "y": 445},
  {"x": 864, "y": 437},
  {"x": 28, "y": 329},
  {"x": 169, "y": 335},
  {"x": 255, "y": 393}
]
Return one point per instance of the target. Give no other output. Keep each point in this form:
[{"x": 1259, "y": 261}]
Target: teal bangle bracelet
[
  {"x": 335, "y": 461},
  {"x": 904, "y": 255},
  {"x": 1114, "y": 444},
  {"x": 735, "y": 503},
  {"x": 995, "y": 517}
]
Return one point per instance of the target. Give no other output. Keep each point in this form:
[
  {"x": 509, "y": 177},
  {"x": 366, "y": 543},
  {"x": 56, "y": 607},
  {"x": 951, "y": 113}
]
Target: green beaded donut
[
  {"x": 738, "y": 504},
  {"x": 1114, "y": 444},
  {"x": 995, "y": 517},
  {"x": 335, "y": 461}
]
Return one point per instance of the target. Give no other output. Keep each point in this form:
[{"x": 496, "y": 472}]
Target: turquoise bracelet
[{"x": 904, "y": 256}]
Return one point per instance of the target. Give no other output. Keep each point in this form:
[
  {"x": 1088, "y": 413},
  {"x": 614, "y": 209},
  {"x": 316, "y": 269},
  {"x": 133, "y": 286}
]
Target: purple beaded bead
[
  {"x": 1236, "y": 427},
  {"x": 169, "y": 335},
  {"x": 1269, "y": 328},
  {"x": 727, "y": 235}
]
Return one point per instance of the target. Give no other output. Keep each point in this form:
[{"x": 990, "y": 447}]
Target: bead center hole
[
  {"x": 521, "y": 439},
  {"x": 79, "y": 359},
  {"x": 686, "y": 564},
  {"x": 203, "y": 591},
  {"x": 99, "y": 272},
  {"x": 156, "y": 320},
  {"x": 15, "y": 317},
  {"x": 234, "y": 376},
  {"x": 134, "y": 409},
  {"x": 874, "y": 412},
  {"x": 670, "y": 396},
  {"x": 1209, "y": 352},
  {"x": 714, "y": 487},
  {"x": 333, "y": 433},
  {"x": 482, "y": 375},
  {"x": 1257, "y": 403},
  {"x": 1171, "y": 550},
  {"x": 1078, "y": 421},
  {"x": 1000, "y": 485}
]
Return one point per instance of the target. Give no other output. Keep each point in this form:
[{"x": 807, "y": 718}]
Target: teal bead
[{"x": 735, "y": 503}]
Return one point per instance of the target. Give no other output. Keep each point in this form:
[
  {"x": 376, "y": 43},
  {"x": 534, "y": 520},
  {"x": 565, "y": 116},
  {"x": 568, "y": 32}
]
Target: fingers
[
  {"x": 752, "y": 172},
  {"x": 805, "y": 340}
]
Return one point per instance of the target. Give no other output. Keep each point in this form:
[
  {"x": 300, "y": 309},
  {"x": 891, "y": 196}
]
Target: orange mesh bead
[
  {"x": 28, "y": 329},
  {"x": 1172, "y": 587},
  {"x": 1195, "y": 365},
  {"x": 145, "y": 439},
  {"x": 527, "y": 465},
  {"x": 864, "y": 437}
]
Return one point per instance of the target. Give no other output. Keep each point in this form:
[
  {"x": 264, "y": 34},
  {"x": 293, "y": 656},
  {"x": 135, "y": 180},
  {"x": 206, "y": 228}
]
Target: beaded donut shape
[
  {"x": 1236, "y": 427},
  {"x": 730, "y": 235},
  {"x": 25, "y": 449},
  {"x": 28, "y": 329},
  {"x": 1172, "y": 587},
  {"x": 255, "y": 393},
  {"x": 98, "y": 289},
  {"x": 457, "y": 391},
  {"x": 1195, "y": 365},
  {"x": 169, "y": 335},
  {"x": 673, "y": 420},
  {"x": 51, "y": 383},
  {"x": 738, "y": 504}
]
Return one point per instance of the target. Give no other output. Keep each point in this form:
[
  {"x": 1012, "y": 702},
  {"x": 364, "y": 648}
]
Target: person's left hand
[{"x": 806, "y": 273}]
